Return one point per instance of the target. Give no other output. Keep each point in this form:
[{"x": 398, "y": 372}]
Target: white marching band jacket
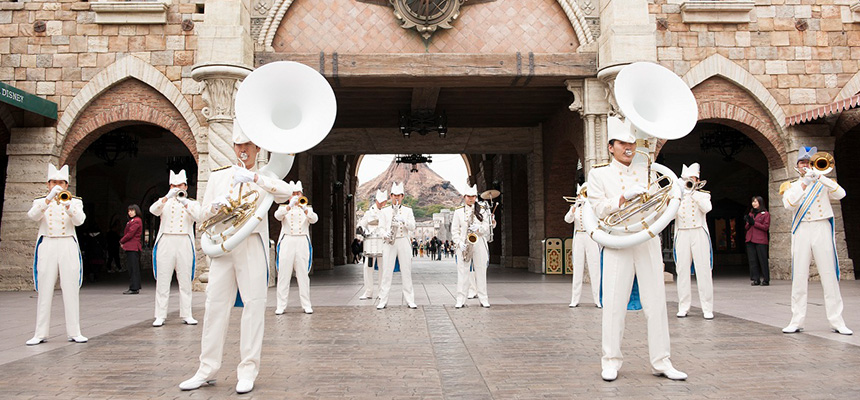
[
  {"x": 461, "y": 221},
  {"x": 294, "y": 221},
  {"x": 691, "y": 213},
  {"x": 607, "y": 184},
  {"x": 369, "y": 222},
  {"x": 574, "y": 216},
  {"x": 55, "y": 220},
  {"x": 813, "y": 209},
  {"x": 176, "y": 219},
  {"x": 400, "y": 230}
]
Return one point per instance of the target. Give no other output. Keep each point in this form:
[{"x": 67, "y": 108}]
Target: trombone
[{"x": 690, "y": 185}]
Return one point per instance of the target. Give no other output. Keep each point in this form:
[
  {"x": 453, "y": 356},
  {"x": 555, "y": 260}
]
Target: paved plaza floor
[{"x": 528, "y": 345}]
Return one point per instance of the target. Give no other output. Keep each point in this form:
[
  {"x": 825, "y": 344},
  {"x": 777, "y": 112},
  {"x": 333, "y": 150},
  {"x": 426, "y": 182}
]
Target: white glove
[
  {"x": 242, "y": 175},
  {"x": 305, "y": 208},
  {"x": 463, "y": 247},
  {"x": 220, "y": 202},
  {"x": 54, "y": 192},
  {"x": 293, "y": 201},
  {"x": 183, "y": 200},
  {"x": 474, "y": 227},
  {"x": 399, "y": 219},
  {"x": 634, "y": 191},
  {"x": 173, "y": 193}
]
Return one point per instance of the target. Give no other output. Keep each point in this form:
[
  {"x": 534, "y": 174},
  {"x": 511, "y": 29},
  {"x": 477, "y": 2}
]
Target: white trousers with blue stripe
[
  {"x": 815, "y": 239},
  {"x": 294, "y": 254},
  {"x": 645, "y": 261},
  {"x": 173, "y": 253},
  {"x": 245, "y": 268},
  {"x": 58, "y": 257},
  {"x": 693, "y": 247}
]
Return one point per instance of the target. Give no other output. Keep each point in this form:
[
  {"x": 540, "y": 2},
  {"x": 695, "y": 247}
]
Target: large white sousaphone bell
[
  {"x": 285, "y": 108},
  {"x": 655, "y": 103}
]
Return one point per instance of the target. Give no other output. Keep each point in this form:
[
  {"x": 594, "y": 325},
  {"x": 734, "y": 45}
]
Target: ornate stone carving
[
  {"x": 427, "y": 15},
  {"x": 218, "y": 93}
]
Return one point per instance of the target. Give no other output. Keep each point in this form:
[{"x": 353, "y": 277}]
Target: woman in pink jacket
[
  {"x": 130, "y": 242},
  {"x": 757, "y": 225}
]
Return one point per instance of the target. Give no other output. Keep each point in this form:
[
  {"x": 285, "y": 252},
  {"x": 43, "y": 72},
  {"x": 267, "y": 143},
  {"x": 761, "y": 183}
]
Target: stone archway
[{"x": 114, "y": 109}]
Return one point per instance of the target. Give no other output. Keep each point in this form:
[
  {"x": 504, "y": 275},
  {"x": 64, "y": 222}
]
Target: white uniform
[
  {"x": 245, "y": 268},
  {"x": 460, "y": 222},
  {"x": 369, "y": 223},
  {"x": 606, "y": 185},
  {"x": 174, "y": 251},
  {"x": 693, "y": 245},
  {"x": 400, "y": 250},
  {"x": 294, "y": 252},
  {"x": 57, "y": 254},
  {"x": 585, "y": 250},
  {"x": 814, "y": 237}
]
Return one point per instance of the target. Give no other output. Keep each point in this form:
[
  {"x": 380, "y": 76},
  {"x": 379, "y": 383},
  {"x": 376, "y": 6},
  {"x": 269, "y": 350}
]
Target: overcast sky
[{"x": 449, "y": 166}]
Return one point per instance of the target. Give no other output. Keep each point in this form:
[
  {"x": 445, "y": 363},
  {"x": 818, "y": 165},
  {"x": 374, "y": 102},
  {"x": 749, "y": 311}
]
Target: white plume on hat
[
  {"x": 619, "y": 130},
  {"x": 178, "y": 179},
  {"x": 692, "y": 170},
  {"x": 396, "y": 188},
  {"x": 471, "y": 191},
  {"x": 290, "y": 186},
  {"x": 805, "y": 153},
  {"x": 239, "y": 135},
  {"x": 297, "y": 187},
  {"x": 381, "y": 196},
  {"x": 55, "y": 174}
]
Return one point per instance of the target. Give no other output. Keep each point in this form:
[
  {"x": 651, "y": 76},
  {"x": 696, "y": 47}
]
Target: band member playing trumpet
[
  {"x": 470, "y": 227},
  {"x": 609, "y": 187},
  {"x": 693, "y": 244},
  {"x": 399, "y": 222},
  {"x": 244, "y": 268},
  {"x": 294, "y": 251},
  {"x": 174, "y": 248},
  {"x": 585, "y": 250},
  {"x": 813, "y": 237},
  {"x": 370, "y": 228},
  {"x": 57, "y": 254}
]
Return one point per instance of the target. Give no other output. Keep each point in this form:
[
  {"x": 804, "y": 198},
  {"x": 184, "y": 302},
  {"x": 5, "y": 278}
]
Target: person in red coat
[
  {"x": 130, "y": 242},
  {"x": 757, "y": 225}
]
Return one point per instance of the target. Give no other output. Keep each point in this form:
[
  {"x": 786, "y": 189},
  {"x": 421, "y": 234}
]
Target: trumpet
[
  {"x": 823, "y": 162},
  {"x": 64, "y": 196},
  {"x": 303, "y": 201},
  {"x": 181, "y": 194},
  {"x": 690, "y": 185}
]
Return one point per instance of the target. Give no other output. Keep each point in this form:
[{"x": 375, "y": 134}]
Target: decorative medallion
[{"x": 426, "y": 15}]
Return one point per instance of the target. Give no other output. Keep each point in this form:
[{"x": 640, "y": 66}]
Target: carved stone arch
[
  {"x": 279, "y": 9},
  {"x": 121, "y": 70},
  {"x": 743, "y": 79}
]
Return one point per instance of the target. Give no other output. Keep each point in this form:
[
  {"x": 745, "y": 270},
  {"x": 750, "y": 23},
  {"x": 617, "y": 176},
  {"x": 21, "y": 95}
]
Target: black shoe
[
  {"x": 755, "y": 283},
  {"x": 131, "y": 292},
  {"x": 765, "y": 283}
]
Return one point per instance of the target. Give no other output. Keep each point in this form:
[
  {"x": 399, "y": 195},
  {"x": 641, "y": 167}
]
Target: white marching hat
[
  {"x": 238, "y": 135},
  {"x": 692, "y": 170},
  {"x": 396, "y": 188},
  {"x": 381, "y": 196},
  {"x": 805, "y": 153},
  {"x": 619, "y": 130},
  {"x": 297, "y": 187},
  {"x": 55, "y": 174},
  {"x": 471, "y": 191},
  {"x": 290, "y": 186},
  {"x": 178, "y": 179}
]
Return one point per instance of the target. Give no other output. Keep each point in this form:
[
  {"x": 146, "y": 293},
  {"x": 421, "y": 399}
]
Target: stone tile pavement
[{"x": 529, "y": 345}]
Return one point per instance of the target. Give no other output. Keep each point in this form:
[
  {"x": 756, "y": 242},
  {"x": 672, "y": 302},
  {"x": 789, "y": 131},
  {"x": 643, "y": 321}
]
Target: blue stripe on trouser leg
[
  {"x": 36, "y": 263},
  {"x": 80, "y": 263},
  {"x": 833, "y": 240},
  {"x": 310, "y": 254},
  {"x": 193, "y": 258}
]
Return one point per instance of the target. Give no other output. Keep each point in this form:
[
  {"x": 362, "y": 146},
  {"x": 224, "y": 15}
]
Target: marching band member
[
  {"x": 585, "y": 250},
  {"x": 813, "y": 237},
  {"x": 57, "y": 255},
  {"x": 369, "y": 224},
  {"x": 245, "y": 268},
  {"x": 399, "y": 222},
  {"x": 693, "y": 245},
  {"x": 294, "y": 251},
  {"x": 174, "y": 248},
  {"x": 470, "y": 219},
  {"x": 609, "y": 187}
]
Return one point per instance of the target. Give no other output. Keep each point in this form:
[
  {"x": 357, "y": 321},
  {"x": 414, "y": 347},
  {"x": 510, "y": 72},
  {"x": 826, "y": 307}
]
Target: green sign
[{"x": 30, "y": 102}]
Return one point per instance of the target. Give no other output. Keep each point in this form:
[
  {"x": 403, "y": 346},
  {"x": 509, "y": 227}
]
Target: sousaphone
[{"x": 285, "y": 108}]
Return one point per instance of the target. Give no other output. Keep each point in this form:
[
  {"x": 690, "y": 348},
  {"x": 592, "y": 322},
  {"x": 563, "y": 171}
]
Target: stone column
[
  {"x": 590, "y": 101},
  {"x": 225, "y": 55},
  {"x": 537, "y": 232},
  {"x": 627, "y": 33},
  {"x": 30, "y": 150}
]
